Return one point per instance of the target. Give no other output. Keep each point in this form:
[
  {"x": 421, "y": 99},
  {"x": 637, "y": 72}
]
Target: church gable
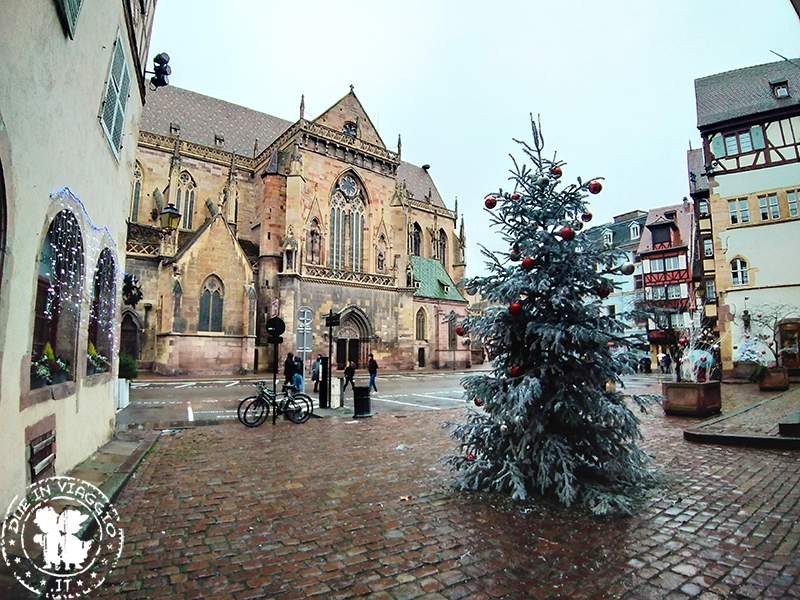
[{"x": 348, "y": 116}]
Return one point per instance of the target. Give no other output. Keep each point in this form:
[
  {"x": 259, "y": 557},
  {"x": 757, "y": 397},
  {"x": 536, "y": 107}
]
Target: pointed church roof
[
  {"x": 349, "y": 108},
  {"x": 202, "y": 117},
  {"x": 419, "y": 182}
]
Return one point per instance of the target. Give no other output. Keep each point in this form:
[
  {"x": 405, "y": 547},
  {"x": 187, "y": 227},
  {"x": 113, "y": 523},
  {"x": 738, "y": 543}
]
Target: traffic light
[{"x": 161, "y": 70}]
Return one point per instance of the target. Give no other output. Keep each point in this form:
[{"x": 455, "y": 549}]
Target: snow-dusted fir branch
[{"x": 547, "y": 420}]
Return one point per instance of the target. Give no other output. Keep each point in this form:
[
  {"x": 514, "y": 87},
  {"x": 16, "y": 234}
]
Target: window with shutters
[
  {"x": 68, "y": 11},
  {"x": 659, "y": 292},
  {"x": 656, "y": 265},
  {"x": 791, "y": 200},
  {"x": 742, "y": 142},
  {"x": 211, "y": 305},
  {"x": 674, "y": 291},
  {"x": 739, "y": 274},
  {"x": 112, "y": 113},
  {"x": 136, "y": 192}
]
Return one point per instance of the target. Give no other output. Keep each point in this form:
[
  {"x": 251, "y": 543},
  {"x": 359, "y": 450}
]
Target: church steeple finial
[
  {"x": 456, "y": 211},
  {"x": 399, "y": 144},
  {"x": 351, "y": 88},
  {"x": 302, "y": 106}
]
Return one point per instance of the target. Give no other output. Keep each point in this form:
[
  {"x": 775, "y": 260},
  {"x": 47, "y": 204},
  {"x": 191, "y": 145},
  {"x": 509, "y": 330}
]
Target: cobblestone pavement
[
  {"x": 342, "y": 509},
  {"x": 765, "y": 410}
]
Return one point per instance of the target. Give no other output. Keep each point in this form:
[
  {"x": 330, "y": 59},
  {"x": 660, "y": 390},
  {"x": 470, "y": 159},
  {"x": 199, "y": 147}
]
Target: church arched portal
[{"x": 352, "y": 339}]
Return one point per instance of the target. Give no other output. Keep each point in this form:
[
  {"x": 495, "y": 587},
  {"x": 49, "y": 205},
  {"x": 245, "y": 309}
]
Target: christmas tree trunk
[{"x": 550, "y": 425}]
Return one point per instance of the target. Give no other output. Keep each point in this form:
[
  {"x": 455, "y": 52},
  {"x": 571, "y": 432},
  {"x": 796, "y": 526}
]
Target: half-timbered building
[
  {"x": 749, "y": 120},
  {"x": 666, "y": 252}
]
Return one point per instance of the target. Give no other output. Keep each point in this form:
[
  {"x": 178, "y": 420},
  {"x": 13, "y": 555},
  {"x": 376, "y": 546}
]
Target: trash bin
[{"x": 362, "y": 407}]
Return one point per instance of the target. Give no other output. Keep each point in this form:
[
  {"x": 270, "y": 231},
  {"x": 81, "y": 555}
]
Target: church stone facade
[{"x": 294, "y": 219}]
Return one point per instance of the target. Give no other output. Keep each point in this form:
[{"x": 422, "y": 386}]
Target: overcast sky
[{"x": 612, "y": 79}]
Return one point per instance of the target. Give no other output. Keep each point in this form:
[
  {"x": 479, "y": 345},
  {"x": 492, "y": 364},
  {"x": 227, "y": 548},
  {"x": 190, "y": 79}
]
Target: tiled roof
[
  {"x": 419, "y": 183},
  {"x": 684, "y": 216},
  {"x": 432, "y": 279},
  {"x": 744, "y": 92},
  {"x": 620, "y": 232},
  {"x": 698, "y": 180},
  {"x": 201, "y": 117}
]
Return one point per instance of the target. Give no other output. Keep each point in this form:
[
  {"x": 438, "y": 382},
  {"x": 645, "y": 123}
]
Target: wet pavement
[{"x": 337, "y": 509}]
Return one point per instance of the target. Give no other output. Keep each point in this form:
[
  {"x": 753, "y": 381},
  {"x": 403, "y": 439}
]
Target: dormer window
[
  {"x": 174, "y": 128},
  {"x": 670, "y": 215},
  {"x": 350, "y": 129},
  {"x": 636, "y": 231},
  {"x": 608, "y": 238},
  {"x": 780, "y": 89},
  {"x": 219, "y": 140}
]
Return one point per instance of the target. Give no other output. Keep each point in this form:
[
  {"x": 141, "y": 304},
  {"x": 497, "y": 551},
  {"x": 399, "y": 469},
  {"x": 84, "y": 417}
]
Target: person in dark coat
[
  {"x": 349, "y": 373},
  {"x": 372, "y": 367},
  {"x": 288, "y": 368},
  {"x": 297, "y": 377},
  {"x": 316, "y": 367}
]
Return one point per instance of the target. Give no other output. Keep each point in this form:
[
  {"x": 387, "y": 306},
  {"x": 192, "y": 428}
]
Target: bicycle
[{"x": 254, "y": 410}]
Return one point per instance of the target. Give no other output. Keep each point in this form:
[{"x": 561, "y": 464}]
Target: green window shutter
[
  {"x": 117, "y": 88},
  {"x": 757, "y": 136},
  {"x": 70, "y": 9},
  {"x": 717, "y": 145}
]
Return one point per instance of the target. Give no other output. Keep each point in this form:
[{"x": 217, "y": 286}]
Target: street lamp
[{"x": 170, "y": 218}]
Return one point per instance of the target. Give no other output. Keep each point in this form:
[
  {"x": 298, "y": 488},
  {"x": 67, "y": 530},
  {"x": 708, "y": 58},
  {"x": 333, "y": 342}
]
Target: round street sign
[{"x": 275, "y": 326}]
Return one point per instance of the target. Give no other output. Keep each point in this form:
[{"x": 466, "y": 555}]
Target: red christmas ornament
[
  {"x": 490, "y": 202},
  {"x": 528, "y": 263},
  {"x": 515, "y": 308},
  {"x": 460, "y": 331},
  {"x": 566, "y": 233},
  {"x": 594, "y": 187},
  {"x": 555, "y": 171},
  {"x": 514, "y": 371},
  {"x": 478, "y": 402},
  {"x": 516, "y": 196},
  {"x": 586, "y": 217},
  {"x": 470, "y": 457},
  {"x": 603, "y": 291}
]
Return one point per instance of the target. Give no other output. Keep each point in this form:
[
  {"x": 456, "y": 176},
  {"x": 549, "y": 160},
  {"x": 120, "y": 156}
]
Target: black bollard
[{"x": 362, "y": 407}]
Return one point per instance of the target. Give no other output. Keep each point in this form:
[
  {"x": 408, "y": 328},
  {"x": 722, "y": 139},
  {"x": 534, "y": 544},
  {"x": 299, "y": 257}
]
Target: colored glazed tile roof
[{"x": 434, "y": 282}]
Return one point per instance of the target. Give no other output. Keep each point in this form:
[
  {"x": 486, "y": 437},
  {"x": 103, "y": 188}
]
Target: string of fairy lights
[{"x": 65, "y": 252}]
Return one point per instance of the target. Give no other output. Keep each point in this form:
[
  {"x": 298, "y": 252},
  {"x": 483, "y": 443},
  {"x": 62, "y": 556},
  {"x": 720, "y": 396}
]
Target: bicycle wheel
[
  {"x": 241, "y": 407},
  {"x": 255, "y": 411},
  {"x": 298, "y": 408}
]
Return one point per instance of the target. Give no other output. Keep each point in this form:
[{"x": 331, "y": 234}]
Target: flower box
[
  {"x": 774, "y": 378},
  {"x": 691, "y": 399}
]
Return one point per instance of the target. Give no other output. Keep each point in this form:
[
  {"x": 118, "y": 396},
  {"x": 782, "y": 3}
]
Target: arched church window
[
  {"x": 421, "y": 325},
  {"x": 101, "y": 318},
  {"x": 346, "y": 230},
  {"x": 416, "y": 240},
  {"x": 441, "y": 249},
  {"x": 185, "y": 195},
  {"x": 136, "y": 192},
  {"x": 211, "y": 305},
  {"x": 58, "y": 302},
  {"x": 380, "y": 255},
  {"x": 314, "y": 243}
]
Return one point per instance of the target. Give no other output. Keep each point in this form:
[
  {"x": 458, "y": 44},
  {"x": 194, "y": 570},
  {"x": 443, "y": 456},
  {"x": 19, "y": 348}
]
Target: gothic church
[{"x": 293, "y": 219}]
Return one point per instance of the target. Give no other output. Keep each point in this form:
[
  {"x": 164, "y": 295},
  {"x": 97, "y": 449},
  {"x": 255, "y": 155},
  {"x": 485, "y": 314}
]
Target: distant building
[
  {"x": 72, "y": 92},
  {"x": 666, "y": 250},
  {"x": 749, "y": 226},
  {"x": 624, "y": 233}
]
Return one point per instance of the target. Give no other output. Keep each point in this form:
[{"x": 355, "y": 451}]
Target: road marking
[
  {"x": 232, "y": 384},
  {"x": 139, "y": 385},
  {"x": 184, "y": 385},
  {"x": 409, "y": 404},
  {"x": 437, "y": 397},
  {"x": 189, "y": 411}
]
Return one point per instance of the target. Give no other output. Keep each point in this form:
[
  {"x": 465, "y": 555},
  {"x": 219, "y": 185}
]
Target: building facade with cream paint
[
  {"x": 70, "y": 104},
  {"x": 746, "y": 186}
]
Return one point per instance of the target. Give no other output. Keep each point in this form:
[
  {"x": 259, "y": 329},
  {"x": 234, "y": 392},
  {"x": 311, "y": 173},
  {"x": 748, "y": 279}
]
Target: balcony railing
[{"x": 324, "y": 273}]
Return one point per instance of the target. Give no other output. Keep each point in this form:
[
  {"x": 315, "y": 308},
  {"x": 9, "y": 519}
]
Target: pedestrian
[
  {"x": 660, "y": 361},
  {"x": 667, "y": 363},
  {"x": 297, "y": 376},
  {"x": 315, "y": 370},
  {"x": 288, "y": 368},
  {"x": 349, "y": 373},
  {"x": 372, "y": 367}
]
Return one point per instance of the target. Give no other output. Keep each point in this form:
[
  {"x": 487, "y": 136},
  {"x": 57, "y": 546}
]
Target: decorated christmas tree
[{"x": 550, "y": 423}]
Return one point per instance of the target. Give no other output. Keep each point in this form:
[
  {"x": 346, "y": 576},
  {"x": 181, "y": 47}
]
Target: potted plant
[
  {"x": 95, "y": 363},
  {"x": 49, "y": 369},
  {"x": 694, "y": 392},
  {"x": 763, "y": 322}
]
